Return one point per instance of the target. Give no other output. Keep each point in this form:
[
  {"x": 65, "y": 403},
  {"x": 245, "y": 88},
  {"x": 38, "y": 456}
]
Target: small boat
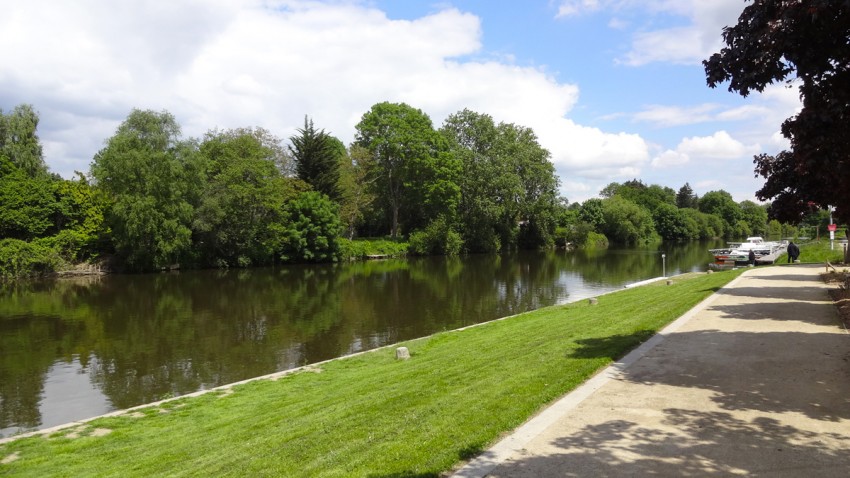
[{"x": 740, "y": 251}]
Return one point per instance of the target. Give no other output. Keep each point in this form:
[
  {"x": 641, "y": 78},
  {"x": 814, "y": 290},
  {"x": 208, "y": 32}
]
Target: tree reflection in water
[{"x": 140, "y": 338}]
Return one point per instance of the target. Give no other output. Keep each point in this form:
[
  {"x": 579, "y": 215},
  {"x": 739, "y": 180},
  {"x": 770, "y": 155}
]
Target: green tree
[
  {"x": 591, "y": 212},
  {"x": 147, "y": 171},
  {"x": 27, "y": 203},
  {"x": 79, "y": 218},
  {"x": 755, "y": 216},
  {"x": 414, "y": 172},
  {"x": 436, "y": 239},
  {"x": 508, "y": 186},
  {"x": 626, "y": 222},
  {"x": 19, "y": 140},
  {"x": 243, "y": 198},
  {"x": 686, "y": 197},
  {"x": 484, "y": 184},
  {"x": 610, "y": 190},
  {"x": 537, "y": 197},
  {"x": 774, "y": 228},
  {"x": 649, "y": 197},
  {"x": 355, "y": 187},
  {"x": 721, "y": 204},
  {"x": 312, "y": 229},
  {"x": 317, "y": 158},
  {"x": 672, "y": 223},
  {"x": 803, "y": 43},
  {"x": 706, "y": 226}
]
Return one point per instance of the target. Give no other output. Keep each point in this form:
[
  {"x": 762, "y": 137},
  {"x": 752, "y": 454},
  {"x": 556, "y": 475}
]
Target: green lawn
[
  {"x": 371, "y": 415},
  {"x": 818, "y": 251}
]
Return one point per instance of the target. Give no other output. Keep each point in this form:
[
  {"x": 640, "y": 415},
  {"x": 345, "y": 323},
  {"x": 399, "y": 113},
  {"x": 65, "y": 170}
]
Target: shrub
[
  {"x": 437, "y": 239},
  {"x": 21, "y": 259},
  {"x": 358, "y": 249},
  {"x": 594, "y": 240},
  {"x": 312, "y": 232}
]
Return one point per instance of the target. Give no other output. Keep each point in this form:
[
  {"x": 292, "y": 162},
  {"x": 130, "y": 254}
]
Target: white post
[
  {"x": 831, "y": 232},
  {"x": 663, "y": 265}
]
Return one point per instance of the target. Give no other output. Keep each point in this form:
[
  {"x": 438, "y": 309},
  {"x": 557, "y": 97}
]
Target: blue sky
[{"x": 614, "y": 89}]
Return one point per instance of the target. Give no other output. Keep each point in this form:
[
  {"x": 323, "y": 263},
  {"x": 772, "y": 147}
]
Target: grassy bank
[
  {"x": 364, "y": 248},
  {"x": 372, "y": 415},
  {"x": 817, "y": 251}
]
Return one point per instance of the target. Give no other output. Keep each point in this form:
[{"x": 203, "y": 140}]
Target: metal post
[{"x": 663, "y": 265}]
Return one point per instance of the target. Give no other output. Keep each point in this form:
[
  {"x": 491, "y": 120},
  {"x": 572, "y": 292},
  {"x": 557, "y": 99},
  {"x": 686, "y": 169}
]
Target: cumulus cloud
[
  {"x": 717, "y": 147},
  {"x": 222, "y": 64},
  {"x": 720, "y": 145}
]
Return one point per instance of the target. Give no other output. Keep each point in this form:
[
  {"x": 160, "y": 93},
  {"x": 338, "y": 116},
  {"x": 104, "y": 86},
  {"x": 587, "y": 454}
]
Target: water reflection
[{"x": 71, "y": 349}]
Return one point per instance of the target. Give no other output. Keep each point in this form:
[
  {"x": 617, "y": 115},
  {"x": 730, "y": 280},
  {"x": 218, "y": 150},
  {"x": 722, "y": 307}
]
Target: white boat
[{"x": 740, "y": 251}]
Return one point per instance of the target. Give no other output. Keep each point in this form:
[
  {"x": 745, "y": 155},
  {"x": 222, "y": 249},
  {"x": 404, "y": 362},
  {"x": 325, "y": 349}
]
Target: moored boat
[{"x": 740, "y": 251}]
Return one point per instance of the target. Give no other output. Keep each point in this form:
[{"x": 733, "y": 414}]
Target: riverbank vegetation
[
  {"x": 819, "y": 251},
  {"x": 372, "y": 414},
  {"x": 155, "y": 200}
]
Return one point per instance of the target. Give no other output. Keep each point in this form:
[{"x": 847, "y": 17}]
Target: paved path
[{"x": 754, "y": 381}]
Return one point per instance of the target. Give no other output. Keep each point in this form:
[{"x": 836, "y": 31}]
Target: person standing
[
  {"x": 752, "y": 257},
  {"x": 793, "y": 252}
]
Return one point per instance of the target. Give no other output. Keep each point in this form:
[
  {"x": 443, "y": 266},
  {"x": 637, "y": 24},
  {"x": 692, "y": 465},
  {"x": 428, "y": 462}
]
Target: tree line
[
  {"x": 154, "y": 199},
  {"x": 633, "y": 212}
]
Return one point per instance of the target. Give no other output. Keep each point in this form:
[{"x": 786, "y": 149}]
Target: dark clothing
[
  {"x": 793, "y": 252},
  {"x": 752, "y": 257}
]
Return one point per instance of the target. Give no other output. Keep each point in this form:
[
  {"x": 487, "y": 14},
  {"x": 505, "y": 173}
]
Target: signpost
[{"x": 832, "y": 228}]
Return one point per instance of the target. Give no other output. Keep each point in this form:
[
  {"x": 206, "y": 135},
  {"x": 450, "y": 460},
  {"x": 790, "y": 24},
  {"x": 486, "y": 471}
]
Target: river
[{"x": 76, "y": 348}]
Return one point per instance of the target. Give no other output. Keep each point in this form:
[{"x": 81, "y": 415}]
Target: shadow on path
[{"x": 751, "y": 386}]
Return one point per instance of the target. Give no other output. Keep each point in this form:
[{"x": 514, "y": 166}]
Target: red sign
[{"x": 832, "y": 227}]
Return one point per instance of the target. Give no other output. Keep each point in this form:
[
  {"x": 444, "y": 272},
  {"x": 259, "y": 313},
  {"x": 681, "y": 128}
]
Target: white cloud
[
  {"x": 665, "y": 115},
  {"x": 697, "y": 35},
  {"x": 221, "y": 64},
  {"x": 670, "y": 158},
  {"x": 717, "y": 146},
  {"x": 755, "y": 122},
  {"x": 590, "y": 153},
  {"x": 575, "y": 7}
]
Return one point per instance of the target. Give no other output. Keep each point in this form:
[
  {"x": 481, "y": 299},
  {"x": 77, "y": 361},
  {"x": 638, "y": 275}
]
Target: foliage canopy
[{"x": 805, "y": 43}]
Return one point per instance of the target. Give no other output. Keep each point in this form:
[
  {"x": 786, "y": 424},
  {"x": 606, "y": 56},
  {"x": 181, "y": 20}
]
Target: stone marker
[
  {"x": 669, "y": 282},
  {"x": 402, "y": 353},
  {"x": 593, "y": 301}
]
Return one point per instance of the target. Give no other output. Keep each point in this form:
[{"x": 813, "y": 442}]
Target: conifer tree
[{"x": 317, "y": 159}]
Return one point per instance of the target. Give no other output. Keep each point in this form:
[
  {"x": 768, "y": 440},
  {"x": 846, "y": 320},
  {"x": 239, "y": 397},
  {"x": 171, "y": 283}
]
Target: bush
[
  {"x": 437, "y": 239},
  {"x": 594, "y": 240},
  {"x": 359, "y": 249},
  {"x": 71, "y": 244},
  {"x": 312, "y": 232},
  {"x": 21, "y": 259}
]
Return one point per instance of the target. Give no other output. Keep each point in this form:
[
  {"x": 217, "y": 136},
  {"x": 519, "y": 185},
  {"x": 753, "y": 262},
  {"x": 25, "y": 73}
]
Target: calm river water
[{"x": 77, "y": 348}]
